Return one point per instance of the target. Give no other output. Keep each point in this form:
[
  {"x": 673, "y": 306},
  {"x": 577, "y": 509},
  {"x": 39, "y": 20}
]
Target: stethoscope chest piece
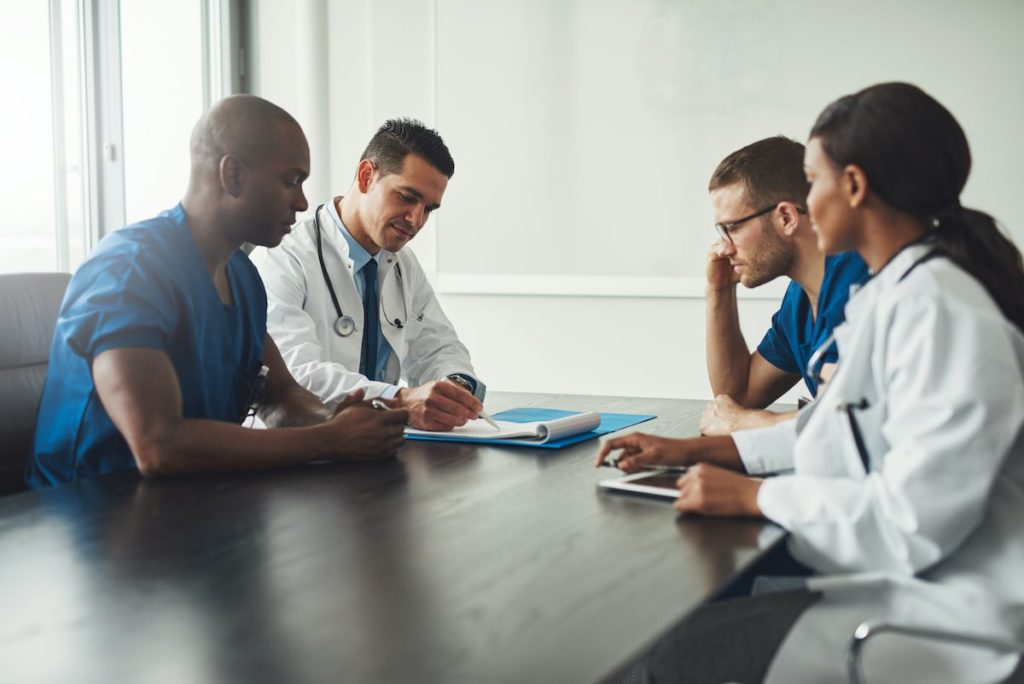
[{"x": 344, "y": 326}]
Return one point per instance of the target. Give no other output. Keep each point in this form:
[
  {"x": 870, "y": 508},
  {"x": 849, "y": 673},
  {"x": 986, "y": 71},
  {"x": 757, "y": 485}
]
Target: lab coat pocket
[{"x": 860, "y": 419}]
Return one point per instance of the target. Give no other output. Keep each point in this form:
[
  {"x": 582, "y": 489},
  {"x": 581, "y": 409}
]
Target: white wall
[{"x": 729, "y": 72}]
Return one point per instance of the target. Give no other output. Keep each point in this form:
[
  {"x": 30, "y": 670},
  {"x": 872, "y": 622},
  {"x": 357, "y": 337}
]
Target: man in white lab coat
[{"x": 350, "y": 309}]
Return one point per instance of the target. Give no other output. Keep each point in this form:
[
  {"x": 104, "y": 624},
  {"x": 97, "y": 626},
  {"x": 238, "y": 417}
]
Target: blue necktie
[{"x": 371, "y": 321}]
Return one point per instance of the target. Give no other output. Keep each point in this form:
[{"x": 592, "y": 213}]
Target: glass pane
[
  {"x": 161, "y": 57},
  {"x": 73, "y": 234},
  {"x": 26, "y": 136}
]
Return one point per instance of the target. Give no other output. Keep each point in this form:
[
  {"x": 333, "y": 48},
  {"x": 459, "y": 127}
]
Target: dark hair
[
  {"x": 916, "y": 158},
  {"x": 398, "y": 138},
  {"x": 771, "y": 170}
]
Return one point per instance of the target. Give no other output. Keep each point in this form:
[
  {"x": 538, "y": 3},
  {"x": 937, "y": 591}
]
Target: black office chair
[
  {"x": 870, "y": 629},
  {"x": 29, "y": 303}
]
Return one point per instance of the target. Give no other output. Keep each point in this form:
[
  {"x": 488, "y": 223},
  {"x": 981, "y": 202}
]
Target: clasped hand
[
  {"x": 722, "y": 416},
  {"x": 367, "y": 432}
]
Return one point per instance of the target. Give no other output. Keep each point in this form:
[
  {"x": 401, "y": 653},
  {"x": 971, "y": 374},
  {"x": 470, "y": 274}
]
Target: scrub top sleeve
[
  {"x": 119, "y": 305},
  {"x": 775, "y": 349}
]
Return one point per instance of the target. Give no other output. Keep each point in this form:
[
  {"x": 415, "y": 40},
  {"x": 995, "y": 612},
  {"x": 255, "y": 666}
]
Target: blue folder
[{"x": 610, "y": 422}]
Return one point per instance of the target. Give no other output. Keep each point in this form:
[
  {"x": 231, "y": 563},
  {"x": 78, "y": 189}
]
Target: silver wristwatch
[{"x": 461, "y": 381}]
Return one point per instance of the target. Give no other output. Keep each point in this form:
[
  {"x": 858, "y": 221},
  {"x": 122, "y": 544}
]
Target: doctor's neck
[
  {"x": 807, "y": 266},
  {"x": 212, "y": 233},
  {"x": 348, "y": 209},
  {"x": 884, "y": 232}
]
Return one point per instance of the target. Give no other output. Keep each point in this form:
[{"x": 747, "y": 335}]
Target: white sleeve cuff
[
  {"x": 771, "y": 499},
  {"x": 389, "y": 392},
  {"x": 768, "y": 449},
  {"x": 372, "y": 390}
]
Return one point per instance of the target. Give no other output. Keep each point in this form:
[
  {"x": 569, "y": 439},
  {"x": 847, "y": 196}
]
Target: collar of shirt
[
  {"x": 360, "y": 257},
  {"x": 898, "y": 266},
  {"x": 887, "y": 278}
]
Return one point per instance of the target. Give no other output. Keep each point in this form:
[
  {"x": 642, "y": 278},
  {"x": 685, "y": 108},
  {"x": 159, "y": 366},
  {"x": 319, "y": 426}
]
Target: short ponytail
[{"x": 972, "y": 239}]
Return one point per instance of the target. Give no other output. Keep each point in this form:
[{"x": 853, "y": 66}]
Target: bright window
[
  {"x": 96, "y": 129},
  {"x": 27, "y": 230},
  {"x": 162, "y": 82}
]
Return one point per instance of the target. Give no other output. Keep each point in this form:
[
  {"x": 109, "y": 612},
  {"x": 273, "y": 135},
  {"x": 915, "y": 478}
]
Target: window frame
[{"x": 98, "y": 43}]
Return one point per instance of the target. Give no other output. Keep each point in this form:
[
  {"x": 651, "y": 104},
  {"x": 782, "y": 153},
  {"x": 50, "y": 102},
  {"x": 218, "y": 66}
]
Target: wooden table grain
[{"x": 451, "y": 563}]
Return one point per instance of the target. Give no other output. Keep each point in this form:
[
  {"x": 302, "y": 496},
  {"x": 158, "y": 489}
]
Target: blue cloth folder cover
[{"x": 610, "y": 422}]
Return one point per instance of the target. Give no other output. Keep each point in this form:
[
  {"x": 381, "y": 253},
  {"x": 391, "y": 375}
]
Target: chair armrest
[{"x": 866, "y": 630}]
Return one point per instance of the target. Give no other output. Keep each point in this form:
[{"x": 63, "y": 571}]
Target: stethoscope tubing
[{"x": 345, "y": 325}]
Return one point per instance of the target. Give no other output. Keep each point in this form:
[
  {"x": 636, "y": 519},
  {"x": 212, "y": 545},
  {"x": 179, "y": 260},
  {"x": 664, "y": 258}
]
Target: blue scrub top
[
  {"x": 146, "y": 285},
  {"x": 795, "y": 335}
]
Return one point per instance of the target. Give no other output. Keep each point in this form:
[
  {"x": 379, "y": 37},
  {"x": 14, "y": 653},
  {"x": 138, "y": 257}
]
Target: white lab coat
[
  {"x": 933, "y": 535},
  {"x": 301, "y": 316}
]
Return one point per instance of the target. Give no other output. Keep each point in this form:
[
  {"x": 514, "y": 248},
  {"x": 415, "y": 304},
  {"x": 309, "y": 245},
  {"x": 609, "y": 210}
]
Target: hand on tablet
[
  {"x": 714, "y": 491},
  {"x": 640, "y": 449}
]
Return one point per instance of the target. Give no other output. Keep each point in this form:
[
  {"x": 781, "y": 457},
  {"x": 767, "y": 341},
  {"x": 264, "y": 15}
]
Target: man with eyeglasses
[{"x": 758, "y": 196}]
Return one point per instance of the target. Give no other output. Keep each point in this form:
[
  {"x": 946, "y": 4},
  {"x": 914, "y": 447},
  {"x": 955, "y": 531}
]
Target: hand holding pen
[
  {"x": 486, "y": 416},
  {"x": 380, "y": 405},
  {"x": 638, "y": 451},
  {"x": 439, "y": 405}
]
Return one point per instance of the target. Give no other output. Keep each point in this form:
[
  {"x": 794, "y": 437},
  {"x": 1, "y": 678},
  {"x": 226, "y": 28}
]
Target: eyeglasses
[{"x": 725, "y": 229}]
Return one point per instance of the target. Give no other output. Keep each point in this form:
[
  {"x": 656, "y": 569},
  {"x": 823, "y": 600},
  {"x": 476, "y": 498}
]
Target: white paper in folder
[{"x": 541, "y": 430}]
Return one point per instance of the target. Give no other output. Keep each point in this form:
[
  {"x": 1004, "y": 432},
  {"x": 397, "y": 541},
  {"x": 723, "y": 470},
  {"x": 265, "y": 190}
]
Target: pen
[
  {"x": 657, "y": 468},
  {"x": 485, "y": 416}
]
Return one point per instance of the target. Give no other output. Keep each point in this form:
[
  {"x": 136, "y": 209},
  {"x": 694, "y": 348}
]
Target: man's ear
[
  {"x": 790, "y": 218},
  {"x": 855, "y": 185},
  {"x": 232, "y": 175},
  {"x": 366, "y": 175}
]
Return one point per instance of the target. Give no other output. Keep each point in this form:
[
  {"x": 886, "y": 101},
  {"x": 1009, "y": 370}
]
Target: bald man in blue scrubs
[{"x": 161, "y": 347}]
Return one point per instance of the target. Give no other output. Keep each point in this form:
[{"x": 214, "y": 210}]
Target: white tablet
[{"x": 660, "y": 483}]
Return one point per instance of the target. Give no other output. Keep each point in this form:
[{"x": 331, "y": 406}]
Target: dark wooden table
[{"x": 452, "y": 563}]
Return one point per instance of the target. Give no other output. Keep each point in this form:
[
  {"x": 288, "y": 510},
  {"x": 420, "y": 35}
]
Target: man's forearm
[
  {"x": 195, "y": 446},
  {"x": 720, "y": 451},
  {"x": 298, "y": 407},
  {"x": 727, "y": 354}
]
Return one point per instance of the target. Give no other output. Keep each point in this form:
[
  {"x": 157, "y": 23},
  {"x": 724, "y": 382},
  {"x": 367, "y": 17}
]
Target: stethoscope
[
  {"x": 849, "y": 407},
  {"x": 345, "y": 325}
]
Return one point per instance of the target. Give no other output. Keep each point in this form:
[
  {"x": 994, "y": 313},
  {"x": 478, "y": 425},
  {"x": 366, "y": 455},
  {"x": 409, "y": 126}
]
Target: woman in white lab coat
[{"x": 906, "y": 494}]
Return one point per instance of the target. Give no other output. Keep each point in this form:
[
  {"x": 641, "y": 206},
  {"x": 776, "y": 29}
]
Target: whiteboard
[{"x": 585, "y": 132}]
